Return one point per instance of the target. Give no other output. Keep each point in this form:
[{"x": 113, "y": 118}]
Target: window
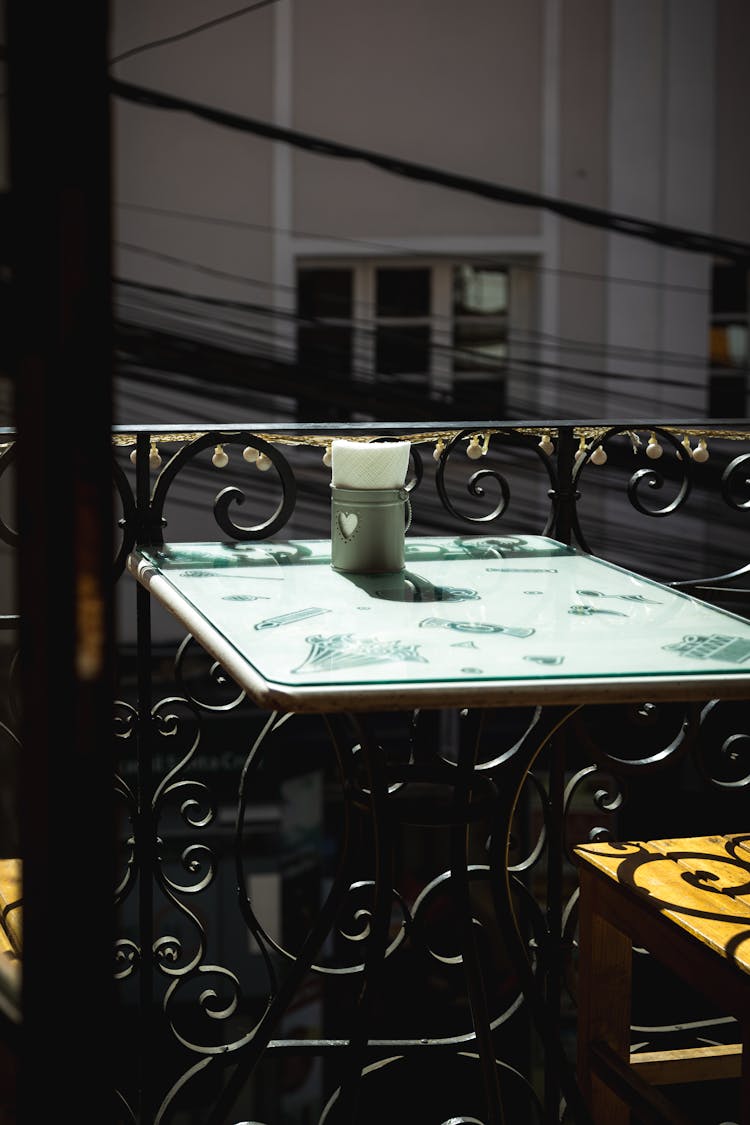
[
  {"x": 405, "y": 338},
  {"x": 480, "y": 324},
  {"x": 728, "y": 345},
  {"x": 403, "y": 327}
]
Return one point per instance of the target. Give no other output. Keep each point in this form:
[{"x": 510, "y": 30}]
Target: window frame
[{"x": 441, "y": 377}]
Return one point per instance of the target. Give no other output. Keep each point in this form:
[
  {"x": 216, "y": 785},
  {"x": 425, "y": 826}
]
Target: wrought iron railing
[{"x": 241, "y": 834}]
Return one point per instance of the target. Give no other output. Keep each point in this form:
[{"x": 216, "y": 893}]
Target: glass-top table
[{"x": 471, "y": 621}]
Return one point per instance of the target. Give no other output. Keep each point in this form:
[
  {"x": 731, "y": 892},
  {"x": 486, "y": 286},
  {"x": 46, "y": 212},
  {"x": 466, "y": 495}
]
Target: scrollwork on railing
[
  {"x": 204, "y": 1000},
  {"x": 510, "y": 836},
  {"x": 479, "y": 481},
  {"x": 626, "y": 738},
  {"x": 396, "y": 1087},
  {"x": 595, "y": 453},
  {"x": 608, "y": 797},
  {"x": 8, "y": 534},
  {"x": 735, "y": 475},
  {"x": 723, "y": 752},
  {"x": 192, "y": 803},
  {"x": 127, "y": 958},
  {"x": 127, "y": 521},
  {"x": 254, "y": 448},
  {"x": 207, "y": 685}
]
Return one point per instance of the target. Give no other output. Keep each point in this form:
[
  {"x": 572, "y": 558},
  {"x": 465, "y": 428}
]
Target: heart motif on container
[{"x": 348, "y": 523}]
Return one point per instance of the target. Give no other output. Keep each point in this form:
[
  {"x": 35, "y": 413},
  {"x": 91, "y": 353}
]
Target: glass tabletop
[{"x": 493, "y": 611}]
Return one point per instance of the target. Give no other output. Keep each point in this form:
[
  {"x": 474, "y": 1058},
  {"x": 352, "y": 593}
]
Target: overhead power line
[
  {"x": 676, "y": 237},
  {"x": 401, "y": 250},
  {"x": 179, "y": 35},
  {"x": 265, "y": 343},
  {"x": 621, "y": 351}
]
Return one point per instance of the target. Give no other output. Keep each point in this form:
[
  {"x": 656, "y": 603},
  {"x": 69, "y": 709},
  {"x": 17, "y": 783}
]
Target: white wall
[
  {"x": 662, "y": 169},
  {"x": 619, "y": 105}
]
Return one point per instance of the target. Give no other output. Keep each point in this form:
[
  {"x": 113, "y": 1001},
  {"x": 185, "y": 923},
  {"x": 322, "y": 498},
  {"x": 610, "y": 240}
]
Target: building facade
[{"x": 353, "y": 291}]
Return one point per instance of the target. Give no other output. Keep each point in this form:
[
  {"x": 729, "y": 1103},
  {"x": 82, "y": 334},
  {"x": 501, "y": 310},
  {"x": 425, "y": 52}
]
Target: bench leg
[
  {"x": 604, "y": 989},
  {"x": 745, "y": 1079}
]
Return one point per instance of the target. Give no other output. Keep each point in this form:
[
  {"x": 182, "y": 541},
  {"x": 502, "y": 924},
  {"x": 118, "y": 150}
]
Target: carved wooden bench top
[
  {"x": 11, "y": 927},
  {"x": 701, "y": 883}
]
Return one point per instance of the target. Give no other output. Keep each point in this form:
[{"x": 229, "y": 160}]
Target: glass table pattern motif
[{"x": 469, "y": 621}]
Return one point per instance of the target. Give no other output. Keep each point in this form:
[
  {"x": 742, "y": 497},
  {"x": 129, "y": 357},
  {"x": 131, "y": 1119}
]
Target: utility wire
[
  {"x": 530, "y": 336},
  {"x": 514, "y": 365},
  {"x": 190, "y": 31},
  {"x": 406, "y": 251},
  {"x": 367, "y": 326},
  {"x": 661, "y": 233}
]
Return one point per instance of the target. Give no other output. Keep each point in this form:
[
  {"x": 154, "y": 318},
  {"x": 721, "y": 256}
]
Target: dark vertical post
[
  {"x": 62, "y": 365},
  {"x": 553, "y": 961},
  {"x": 565, "y": 499},
  {"x": 145, "y": 828}
]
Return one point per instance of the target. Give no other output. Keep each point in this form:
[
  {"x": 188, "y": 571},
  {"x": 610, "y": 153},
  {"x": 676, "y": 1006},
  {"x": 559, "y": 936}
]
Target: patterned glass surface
[{"x": 464, "y": 609}]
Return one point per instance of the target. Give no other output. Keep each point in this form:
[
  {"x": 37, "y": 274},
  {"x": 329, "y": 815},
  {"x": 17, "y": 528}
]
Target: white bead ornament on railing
[
  {"x": 154, "y": 457},
  {"x": 478, "y": 446},
  {"x": 700, "y": 453},
  {"x": 473, "y": 449}
]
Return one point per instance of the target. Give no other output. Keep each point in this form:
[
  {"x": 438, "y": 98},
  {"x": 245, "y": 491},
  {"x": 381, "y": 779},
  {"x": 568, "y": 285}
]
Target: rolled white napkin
[{"x": 377, "y": 464}]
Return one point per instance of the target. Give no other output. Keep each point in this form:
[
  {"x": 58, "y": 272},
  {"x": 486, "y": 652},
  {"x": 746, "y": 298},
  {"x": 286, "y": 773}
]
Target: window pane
[
  {"x": 479, "y": 345},
  {"x": 403, "y": 292},
  {"x": 729, "y": 344},
  {"x": 479, "y": 292},
  {"x": 730, "y": 289},
  {"x": 324, "y": 350},
  {"x": 324, "y": 293},
  {"x": 399, "y": 351}
]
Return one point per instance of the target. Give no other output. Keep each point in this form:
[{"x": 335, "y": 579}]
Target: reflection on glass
[
  {"x": 479, "y": 291},
  {"x": 479, "y": 346}
]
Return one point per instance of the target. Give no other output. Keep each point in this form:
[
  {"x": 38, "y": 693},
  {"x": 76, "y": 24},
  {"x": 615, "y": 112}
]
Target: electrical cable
[
  {"x": 531, "y": 337},
  {"x": 415, "y": 252},
  {"x": 513, "y": 366},
  {"x": 452, "y": 352},
  {"x": 661, "y": 233},
  {"x": 190, "y": 31}
]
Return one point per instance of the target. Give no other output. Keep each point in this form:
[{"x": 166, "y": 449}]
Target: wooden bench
[
  {"x": 11, "y": 910},
  {"x": 11, "y": 949},
  {"x": 688, "y": 903}
]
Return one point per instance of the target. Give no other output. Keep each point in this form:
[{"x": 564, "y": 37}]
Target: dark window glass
[
  {"x": 727, "y": 395},
  {"x": 402, "y": 350},
  {"x": 324, "y": 293},
  {"x": 324, "y": 350},
  {"x": 479, "y": 397},
  {"x": 729, "y": 291},
  {"x": 479, "y": 345},
  {"x": 404, "y": 292}
]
